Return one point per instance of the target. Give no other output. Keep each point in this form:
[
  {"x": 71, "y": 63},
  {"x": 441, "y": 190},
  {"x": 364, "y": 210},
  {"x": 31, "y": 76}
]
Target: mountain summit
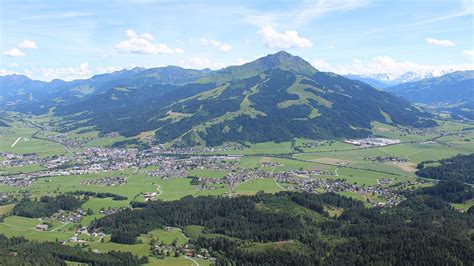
[
  {"x": 278, "y": 97},
  {"x": 284, "y": 61},
  {"x": 281, "y": 60}
]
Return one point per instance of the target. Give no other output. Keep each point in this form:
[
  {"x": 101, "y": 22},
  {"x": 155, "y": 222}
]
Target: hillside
[
  {"x": 275, "y": 98},
  {"x": 22, "y": 94},
  {"x": 290, "y": 228},
  {"x": 449, "y": 90},
  {"x": 382, "y": 81},
  {"x": 372, "y": 81},
  {"x": 453, "y": 93}
]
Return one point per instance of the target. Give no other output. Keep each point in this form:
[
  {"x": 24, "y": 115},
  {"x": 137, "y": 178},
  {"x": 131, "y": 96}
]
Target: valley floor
[{"x": 36, "y": 161}]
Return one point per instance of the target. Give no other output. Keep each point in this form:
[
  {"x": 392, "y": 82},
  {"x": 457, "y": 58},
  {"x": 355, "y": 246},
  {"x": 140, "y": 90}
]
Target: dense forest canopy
[
  {"x": 19, "y": 251},
  {"x": 458, "y": 168},
  {"x": 46, "y": 206},
  {"x": 296, "y": 229}
]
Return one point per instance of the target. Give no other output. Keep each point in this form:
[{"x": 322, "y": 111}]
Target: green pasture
[{"x": 254, "y": 185}]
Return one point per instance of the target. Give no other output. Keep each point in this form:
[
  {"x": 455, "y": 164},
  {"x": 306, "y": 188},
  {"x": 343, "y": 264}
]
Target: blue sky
[{"x": 76, "y": 39}]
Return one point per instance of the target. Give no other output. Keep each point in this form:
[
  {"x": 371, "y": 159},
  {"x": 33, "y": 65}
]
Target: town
[{"x": 167, "y": 165}]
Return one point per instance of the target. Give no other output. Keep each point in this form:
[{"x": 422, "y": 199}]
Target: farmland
[{"x": 369, "y": 174}]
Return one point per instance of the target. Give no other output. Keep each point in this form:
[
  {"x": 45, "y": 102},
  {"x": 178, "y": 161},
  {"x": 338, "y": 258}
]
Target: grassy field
[
  {"x": 254, "y": 185},
  {"x": 22, "y": 226},
  {"x": 6, "y": 208},
  {"x": 19, "y": 139},
  {"x": 335, "y": 158},
  {"x": 20, "y": 169}
]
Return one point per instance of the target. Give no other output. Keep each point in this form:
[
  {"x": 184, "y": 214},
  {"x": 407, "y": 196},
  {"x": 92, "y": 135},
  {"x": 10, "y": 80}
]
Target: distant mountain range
[
  {"x": 276, "y": 98},
  {"x": 454, "y": 91},
  {"x": 382, "y": 81}
]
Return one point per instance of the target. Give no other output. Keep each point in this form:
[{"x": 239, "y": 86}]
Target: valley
[
  {"x": 121, "y": 171},
  {"x": 226, "y": 133}
]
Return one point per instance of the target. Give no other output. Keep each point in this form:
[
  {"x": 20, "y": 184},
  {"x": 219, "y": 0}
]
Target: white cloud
[
  {"x": 289, "y": 39},
  {"x": 468, "y": 53},
  {"x": 322, "y": 65},
  {"x": 65, "y": 73},
  {"x": 27, "y": 44},
  {"x": 223, "y": 47},
  {"x": 15, "y": 52},
  {"x": 141, "y": 44},
  {"x": 178, "y": 50},
  {"x": 200, "y": 63},
  {"x": 444, "y": 43},
  {"x": 241, "y": 61},
  {"x": 4, "y": 72},
  {"x": 13, "y": 65},
  {"x": 389, "y": 66},
  {"x": 108, "y": 69}
]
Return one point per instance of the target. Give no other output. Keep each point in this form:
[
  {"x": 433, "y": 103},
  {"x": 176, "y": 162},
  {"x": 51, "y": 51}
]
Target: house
[{"x": 42, "y": 227}]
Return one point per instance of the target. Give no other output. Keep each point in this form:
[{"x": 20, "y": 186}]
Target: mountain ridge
[{"x": 278, "y": 97}]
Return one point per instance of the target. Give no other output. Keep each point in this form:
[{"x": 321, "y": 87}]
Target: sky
[{"x": 75, "y": 39}]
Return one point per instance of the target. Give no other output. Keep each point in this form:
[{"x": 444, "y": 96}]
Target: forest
[
  {"x": 290, "y": 228},
  {"x": 458, "y": 168},
  {"x": 19, "y": 251},
  {"x": 46, "y": 206}
]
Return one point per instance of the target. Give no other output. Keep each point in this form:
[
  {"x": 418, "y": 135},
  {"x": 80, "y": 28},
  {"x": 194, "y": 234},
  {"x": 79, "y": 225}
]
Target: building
[{"x": 42, "y": 227}]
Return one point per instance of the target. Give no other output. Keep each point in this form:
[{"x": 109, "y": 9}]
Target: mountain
[
  {"x": 275, "y": 98},
  {"x": 453, "y": 92},
  {"x": 451, "y": 89},
  {"x": 376, "y": 83},
  {"x": 382, "y": 81},
  {"x": 26, "y": 95},
  {"x": 18, "y": 88},
  {"x": 281, "y": 60}
]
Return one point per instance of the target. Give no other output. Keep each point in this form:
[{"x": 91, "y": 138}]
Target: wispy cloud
[
  {"x": 62, "y": 15},
  {"x": 437, "y": 42},
  {"x": 300, "y": 14},
  {"x": 223, "y": 47},
  {"x": 468, "y": 53}
]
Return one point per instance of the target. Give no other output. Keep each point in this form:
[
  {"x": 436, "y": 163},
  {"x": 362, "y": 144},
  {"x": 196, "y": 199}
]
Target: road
[{"x": 16, "y": 141}]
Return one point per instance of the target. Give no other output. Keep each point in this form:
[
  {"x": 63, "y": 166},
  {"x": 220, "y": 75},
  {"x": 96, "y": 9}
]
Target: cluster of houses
[
  {"x": 228, "y": 146},
  {"x": 179, "y": 162},
  {"x": 105, "y": 181},
  {"x": 68, "y": 216},
  {"x": 65, "y": 140},
  {"x": 312, "y": 144},
  {"x": 149, "y": 195},
  {"x": 171, "y": 167},
  {"x": 271, "y": 164},
  {"x": 386, "y": 159}
]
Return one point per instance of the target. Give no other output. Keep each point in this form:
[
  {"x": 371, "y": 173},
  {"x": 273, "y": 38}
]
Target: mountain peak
[
  {"x": 281, "y": 60},
  {"x": 286, "y": 61}
]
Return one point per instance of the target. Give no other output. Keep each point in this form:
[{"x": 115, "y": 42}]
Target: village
[{"x": 166, "y": 165}]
